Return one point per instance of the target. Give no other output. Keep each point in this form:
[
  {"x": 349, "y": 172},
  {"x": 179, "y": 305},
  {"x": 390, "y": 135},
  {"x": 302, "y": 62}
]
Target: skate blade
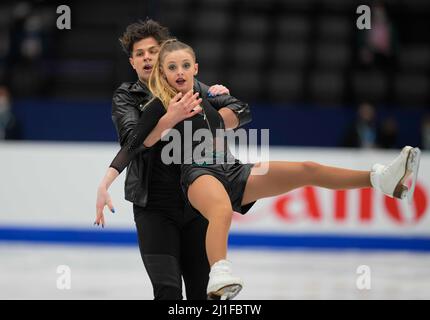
[
  {"x": 225, "y": 293},
  {"x": 413, "y": 167},
  {"x": 401, "y": 191}
]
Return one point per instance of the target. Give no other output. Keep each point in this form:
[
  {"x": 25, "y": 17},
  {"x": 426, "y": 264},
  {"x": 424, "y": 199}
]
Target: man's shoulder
[
  {"x": 132, "y": 92},
  {"x": 133, "y": 88},
  {"x": 125, "y": 86},
  {"x": 122, "y": 97}
]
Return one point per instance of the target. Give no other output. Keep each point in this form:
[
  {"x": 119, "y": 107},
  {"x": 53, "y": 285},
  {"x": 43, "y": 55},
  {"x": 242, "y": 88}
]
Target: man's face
[{"x": 144, "y": 55}]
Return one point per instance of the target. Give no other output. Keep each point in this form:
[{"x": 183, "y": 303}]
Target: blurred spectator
[
  {"x": 378, "y": 46},
  {"x": 425, "y": 132},
  {"x": 363, "y": 132},
  {"x": 387, "y": 137},
  {"x": 20, "y": 14},
  {"x": 26, "y": 74},
  {"x": 9, "y": 127}
]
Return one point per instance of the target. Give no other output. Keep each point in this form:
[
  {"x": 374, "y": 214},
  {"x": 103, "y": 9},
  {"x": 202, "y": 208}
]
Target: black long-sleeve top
[
  {"x": 149, "y": 182},
  {"x": 163, "y": 188},
  {"x": 209, "y": 119}
]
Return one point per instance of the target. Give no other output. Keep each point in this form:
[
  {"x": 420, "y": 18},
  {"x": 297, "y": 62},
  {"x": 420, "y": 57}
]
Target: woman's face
[{"x": 179, "y": 68}]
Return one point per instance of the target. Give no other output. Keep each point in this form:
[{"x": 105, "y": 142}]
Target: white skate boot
[
  {"x": 390, "y": 178},
  {"x": 222, "y": 284}
]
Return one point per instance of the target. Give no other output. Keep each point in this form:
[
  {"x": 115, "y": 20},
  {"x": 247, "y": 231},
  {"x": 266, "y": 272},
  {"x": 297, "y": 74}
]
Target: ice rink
[
  {"x": 43, "y": 227},
  {"x": 29, "y": 271}
]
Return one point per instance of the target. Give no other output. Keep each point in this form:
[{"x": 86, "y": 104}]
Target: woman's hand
[
  {"x": 184, "y": 106},
  {"x": 103, "y": 199}
]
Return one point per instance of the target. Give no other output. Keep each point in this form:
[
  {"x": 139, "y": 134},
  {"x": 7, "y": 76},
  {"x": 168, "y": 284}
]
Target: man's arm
[
  {"x": 133, "y": 143},
  {"x": 153, "y": 121},
  {"x": 125, "y": 114},
  {"x": 234, "y": 112}
]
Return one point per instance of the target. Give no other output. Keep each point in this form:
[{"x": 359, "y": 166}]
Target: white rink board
[{"x": 54, "y": 185}]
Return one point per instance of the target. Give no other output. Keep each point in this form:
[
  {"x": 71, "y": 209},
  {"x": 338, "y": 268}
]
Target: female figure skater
[{"x": 218, "y": 189}]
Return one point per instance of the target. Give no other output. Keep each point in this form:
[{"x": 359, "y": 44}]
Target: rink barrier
[
  {"x": 65, "y": 236},
  {"x": 47, "y": 192}
]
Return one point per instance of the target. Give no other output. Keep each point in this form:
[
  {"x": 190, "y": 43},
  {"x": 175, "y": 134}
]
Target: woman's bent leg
[{"x": 208, "y": 196}]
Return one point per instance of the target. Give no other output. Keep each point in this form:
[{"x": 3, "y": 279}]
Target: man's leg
[
  {"x": 194, "y": 261},
  {"x": 159, "y": 244}
]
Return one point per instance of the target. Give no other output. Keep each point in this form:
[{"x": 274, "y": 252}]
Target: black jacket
[{"x": 127, "y": 103}]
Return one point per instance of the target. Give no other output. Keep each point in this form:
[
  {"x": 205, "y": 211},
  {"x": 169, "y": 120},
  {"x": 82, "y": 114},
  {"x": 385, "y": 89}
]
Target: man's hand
[{"x": 217, "y": 90}]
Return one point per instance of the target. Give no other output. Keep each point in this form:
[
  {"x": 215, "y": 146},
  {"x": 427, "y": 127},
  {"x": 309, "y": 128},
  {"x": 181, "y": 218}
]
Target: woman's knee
[
  {"x": 220, "y": 213},
  {"x": 208, "y": 195}
]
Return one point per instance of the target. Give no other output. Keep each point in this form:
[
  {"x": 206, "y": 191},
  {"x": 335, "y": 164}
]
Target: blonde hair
[{"x": 157, "y": 83}]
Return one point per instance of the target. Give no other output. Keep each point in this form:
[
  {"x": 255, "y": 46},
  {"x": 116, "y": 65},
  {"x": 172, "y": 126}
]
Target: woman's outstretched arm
[{"x": 103, "y": 196}]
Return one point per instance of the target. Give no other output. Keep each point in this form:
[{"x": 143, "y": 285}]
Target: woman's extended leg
[{"x": 284, "y": 176}]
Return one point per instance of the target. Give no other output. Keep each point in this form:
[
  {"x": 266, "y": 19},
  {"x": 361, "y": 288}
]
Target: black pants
[{"x": 172, "y": 243}]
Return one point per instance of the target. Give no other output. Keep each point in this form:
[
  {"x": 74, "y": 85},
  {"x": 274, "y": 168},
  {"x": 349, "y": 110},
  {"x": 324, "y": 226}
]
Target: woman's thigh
[
  {"x": 207, "y": 193},
  {"x": 278, "y": 178}
]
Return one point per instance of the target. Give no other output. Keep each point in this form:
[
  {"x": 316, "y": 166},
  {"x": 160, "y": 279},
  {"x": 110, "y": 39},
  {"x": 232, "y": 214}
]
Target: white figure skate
[
  {"x": 390, "y": 178},
  {"x": 222, "y": 284}
]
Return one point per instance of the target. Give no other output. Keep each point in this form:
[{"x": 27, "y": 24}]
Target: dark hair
[{"x": 141, "y": 30}]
